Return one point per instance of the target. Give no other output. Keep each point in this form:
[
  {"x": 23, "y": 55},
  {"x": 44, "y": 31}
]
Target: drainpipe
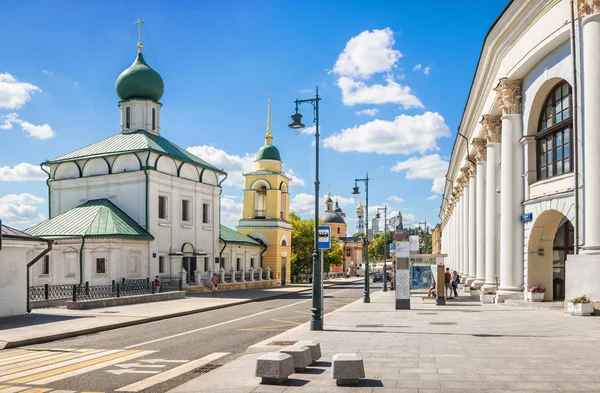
[
  {"x": 263, "y": 251},
  {"x": 221, "y": 252},
  {"x": 81, "y": 260},
  {"x": 48, "y": 185},
  {"x": 148, "y": 213},
  {"x": 575, "y": 132},
  {"x": 32, "y": 262}
]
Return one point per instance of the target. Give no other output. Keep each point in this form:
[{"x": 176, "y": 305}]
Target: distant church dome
[
  {"x": 332, "y": 218},
  {"x": 268, "y": 152},
  {"x": 140, "y": 81},
  {"x": 337, "y": 208},
  {"x": 360, "y": 207}
]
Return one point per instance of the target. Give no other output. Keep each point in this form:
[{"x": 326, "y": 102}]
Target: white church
[{"x": 133, "y": 205}]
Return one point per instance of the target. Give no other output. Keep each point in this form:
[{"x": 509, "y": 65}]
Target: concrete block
[
  {"x": 347, "y": 368},
  {"x": 274, "y": 367},
  {"x": 315, "y": 349},
  {"x": 300, "y": 355}
]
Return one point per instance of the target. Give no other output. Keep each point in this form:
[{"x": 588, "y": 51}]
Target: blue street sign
[
  {"x": 526, "y": 217},
  {"x": 324, "y": 237},
  {"x": 392, "y": 246}
]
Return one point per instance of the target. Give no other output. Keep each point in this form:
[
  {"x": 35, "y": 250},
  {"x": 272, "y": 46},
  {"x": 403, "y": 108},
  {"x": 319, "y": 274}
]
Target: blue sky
[{"x": 393, "y": 77}]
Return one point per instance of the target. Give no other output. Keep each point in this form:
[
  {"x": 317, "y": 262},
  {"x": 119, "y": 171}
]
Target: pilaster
[{"x": 479, "y": 145}]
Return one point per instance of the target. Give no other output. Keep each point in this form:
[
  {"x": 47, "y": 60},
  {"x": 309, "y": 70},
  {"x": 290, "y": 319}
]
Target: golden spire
[
  {"x": 139, "y": 23},
  {"x": 329, "y": 190},
  {"x": 269, "y": 137}
]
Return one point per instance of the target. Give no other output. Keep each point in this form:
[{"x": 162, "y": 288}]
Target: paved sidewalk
[
  {"x": 461, "y": 347},
  {"x": 49, "y": 324}
]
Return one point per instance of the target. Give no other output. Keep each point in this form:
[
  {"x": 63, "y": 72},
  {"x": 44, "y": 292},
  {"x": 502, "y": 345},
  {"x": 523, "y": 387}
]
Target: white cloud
[
  {"x": 417, "y": 67},
  {"x": 433, "y": 197},
  {"x": 368, "y": 53},
  {"x": 18, "y": 210},
  {"x": 234, "y": 165},
  {"x": 24, "y": 198},
  {"x": 395, "y": 199},
  {"x": 43, "y": 131},
  {"x": 367, "y": 112},
  {"x": 404, "y": 135},
  {"x": 22, "y": 172},
  {"x": 231, "y": 211},
  {"x": 304, "y": 91},
  {"x": 425, "y": 167},
  {"x": 48, "y": 72},
  {"x": 426, "y": 71},
  {"x": 304, "y": 204},
  {"x": 14, "y": 94},
  {"x": 357, "y": 92},
  {"x": 310, "y": 130}
]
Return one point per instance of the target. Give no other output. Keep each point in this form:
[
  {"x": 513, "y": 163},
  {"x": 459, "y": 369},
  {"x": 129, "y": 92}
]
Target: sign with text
[
  {"x": 526, "y": 217},
  {"x": 324, "y": 237},
  {"x": 413, "y": 240},
  {"x": 402, "y": 276}
]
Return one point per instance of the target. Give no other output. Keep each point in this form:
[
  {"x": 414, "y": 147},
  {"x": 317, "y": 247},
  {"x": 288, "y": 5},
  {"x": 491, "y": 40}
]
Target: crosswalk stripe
[
  {"x": 15, "y": 389},
  {"x": 22, "y": 358},
  {"x": 91, "y": 365},
  {"x": 66, "y": 391},
  {"x": 36, "y": 390},
  {"x": 96, "y": 353},
  {"x": 172, "y": 373},
  {"x": 7, "y": 353},
  {"x": 53, "y": 359}
]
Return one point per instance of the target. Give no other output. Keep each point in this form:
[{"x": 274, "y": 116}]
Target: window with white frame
[
  {"x": 161, "y": 264},
  {"x": 46, "y": 265},
  {"x": 163, "y": 207},
  {"x": 186, "y": 214},
  {"x": 205, "y": 213},
  {"x": 71, "y": 264},
  {"x": 100, "y": 265}
]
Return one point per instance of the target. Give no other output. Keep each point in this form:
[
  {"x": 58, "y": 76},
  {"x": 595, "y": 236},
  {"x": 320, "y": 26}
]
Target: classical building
[
  {"x": 265, "y": 215},
  {"x": 521, "y": 205},
  {"x": 133, "y": 205},
  {"x": 352, "y": 246}
]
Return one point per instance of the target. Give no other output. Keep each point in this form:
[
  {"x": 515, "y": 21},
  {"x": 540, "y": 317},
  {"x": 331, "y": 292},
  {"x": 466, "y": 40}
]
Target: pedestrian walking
[
  {"x": 455, "y": 282},
  {"x": 156, "y": 284},
  {"x": 215, "y": 285},
  {"x": 448, "y": 283}
]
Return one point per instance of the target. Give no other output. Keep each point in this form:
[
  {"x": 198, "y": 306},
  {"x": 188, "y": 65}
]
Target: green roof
[
  {"x": 140, "y": 81},
  {"x": 268, "y": 152},
  {"x": 95, "y": 218},
  {"x": 134, "y": 142},
  {"x": 231, "y": 236}
]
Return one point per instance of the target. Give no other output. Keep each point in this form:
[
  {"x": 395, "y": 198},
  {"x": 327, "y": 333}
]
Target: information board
[{"x": 402, "y": 276}]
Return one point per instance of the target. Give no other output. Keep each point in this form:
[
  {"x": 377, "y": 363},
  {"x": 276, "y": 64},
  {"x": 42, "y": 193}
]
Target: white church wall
[
  {"x": 65, "y": 170},
  {"x": 95, "y": 167},
  {"x": 126, "y": 163},
  {"x": 13, "y": 280}
]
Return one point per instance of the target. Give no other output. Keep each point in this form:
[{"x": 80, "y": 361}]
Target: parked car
[{"x": 378, "y": 277}]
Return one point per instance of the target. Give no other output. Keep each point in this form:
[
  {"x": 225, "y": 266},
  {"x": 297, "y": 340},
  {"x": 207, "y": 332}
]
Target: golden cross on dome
[
  {"x": 139, "y": 23},
  {"x": 329, "y": 189}
]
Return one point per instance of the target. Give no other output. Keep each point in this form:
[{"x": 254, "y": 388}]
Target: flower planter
[
  {"x": 487, "y": 299},
  {"x": 535, "y": 296},
  {"x": 581, "y": 309}
]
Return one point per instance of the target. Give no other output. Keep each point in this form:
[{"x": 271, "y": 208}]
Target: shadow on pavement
[{"x": 27, "y": 320}]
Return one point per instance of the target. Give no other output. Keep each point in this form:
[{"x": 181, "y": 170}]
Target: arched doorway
[{"x": 550, "y": 241}]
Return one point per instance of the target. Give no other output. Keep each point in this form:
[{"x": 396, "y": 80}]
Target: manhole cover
[
  {"x": 368, "y": 326},
  {"x": 427, "y": 313},
  {"x": 206, "y": 368},
  {"x": 442, "y": 323},
  {"x": 282, "y": 343}
]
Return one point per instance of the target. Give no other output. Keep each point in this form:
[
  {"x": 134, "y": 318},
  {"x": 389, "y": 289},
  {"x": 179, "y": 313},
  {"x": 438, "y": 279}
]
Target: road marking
[
  {"x": 226, "y": 322},
  {"x": 66, "y": 391},
  {"x": 130, "y": 365},
  {"x": 163, "y": 361},
  {"x": 23, "y": 357},
  {"x": 94, "y": 365},
  {"x": 11, "y": 353},
  {"x": 52, "y": 365},
  {"x": 172, "y": 373},
  {"x": 27, "y": 365},
  {"x": 119, "y": 372},
  {"x": 36, "y": 390},
  {"x": 15, "y": 389}
]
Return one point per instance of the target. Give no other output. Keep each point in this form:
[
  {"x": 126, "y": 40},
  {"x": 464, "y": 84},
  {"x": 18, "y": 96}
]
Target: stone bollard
[
  {"x": 252, "y": 271},
  {"x": 222, "y": 275},
  {"x": 300, "y": 355},
  {"x": 268, "y": 273},
  {"x": 260, "y": 278},
  {"x": 315, "y": 349},
  {"x": 243, "y": 275},
  {"x": 232, "y": 275},
  {"x": 274, "y": 367},
  {"x": 183, "y": 275},
  {"x": 347, "y": 369}
]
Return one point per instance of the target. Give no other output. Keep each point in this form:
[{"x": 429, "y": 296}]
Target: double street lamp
[
  {"x": 316, "y": 318},
  {"x": 355, "y": 191},
  {"x": 378, "y": 216}
]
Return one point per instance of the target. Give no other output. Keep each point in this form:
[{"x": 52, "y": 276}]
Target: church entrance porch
[
  {"x": 190, "y": 265},
  {"x": 550, "y": 242}
]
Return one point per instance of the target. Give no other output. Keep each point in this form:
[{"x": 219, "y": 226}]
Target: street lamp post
[
  {"x": 316, "y": 319},
  {"x": 384, "y": 209},
  {"x": 367, "y": 296}
]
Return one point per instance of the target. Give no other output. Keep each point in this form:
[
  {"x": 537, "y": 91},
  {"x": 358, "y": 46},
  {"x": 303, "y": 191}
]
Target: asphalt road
[{"x": 192, "y": 337}]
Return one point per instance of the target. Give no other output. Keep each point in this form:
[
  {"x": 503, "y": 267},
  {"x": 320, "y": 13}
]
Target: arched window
[
  {"x": 555, "y": 134},
  {"x": 260, "y": 210}
]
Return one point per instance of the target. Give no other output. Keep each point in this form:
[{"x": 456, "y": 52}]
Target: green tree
[
  {"x": 302, "y": 244},
  {"x": 333, "y": 256}
]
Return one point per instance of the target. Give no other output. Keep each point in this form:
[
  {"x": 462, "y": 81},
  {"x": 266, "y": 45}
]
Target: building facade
[{"x": 521, "y": 204}]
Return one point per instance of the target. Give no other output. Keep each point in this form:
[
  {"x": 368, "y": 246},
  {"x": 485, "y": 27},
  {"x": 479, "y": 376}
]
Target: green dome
[
  {"x": 140, "y": 81},
  {"x": 268, "y": 152},
  {"x": 329, "y": 217}
]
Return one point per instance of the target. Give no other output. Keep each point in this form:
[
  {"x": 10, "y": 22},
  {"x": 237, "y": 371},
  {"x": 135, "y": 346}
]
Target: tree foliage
[{"x": 377, "y": 246}]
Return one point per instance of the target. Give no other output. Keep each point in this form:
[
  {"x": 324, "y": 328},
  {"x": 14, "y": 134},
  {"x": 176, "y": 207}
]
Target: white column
[
  {"x": 591, "y": 127},
  {"x": 465, "y": 224},
  {"x": 472, "y": 238},
  {"x": 491, "y": 125},
  {"x": 457, "y": 220},
  {"x": 480, "y": 157},
  {"x": 511, "y": 191}
]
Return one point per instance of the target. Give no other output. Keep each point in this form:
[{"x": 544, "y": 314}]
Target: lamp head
[
  {"x": 355, "y": 190},
  {"x": 296, "y": 121},
  {"x": 378, "y": 216}
]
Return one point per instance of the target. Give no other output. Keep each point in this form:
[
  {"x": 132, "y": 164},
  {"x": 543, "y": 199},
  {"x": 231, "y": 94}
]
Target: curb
[{"x": 97, "y": 329}]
